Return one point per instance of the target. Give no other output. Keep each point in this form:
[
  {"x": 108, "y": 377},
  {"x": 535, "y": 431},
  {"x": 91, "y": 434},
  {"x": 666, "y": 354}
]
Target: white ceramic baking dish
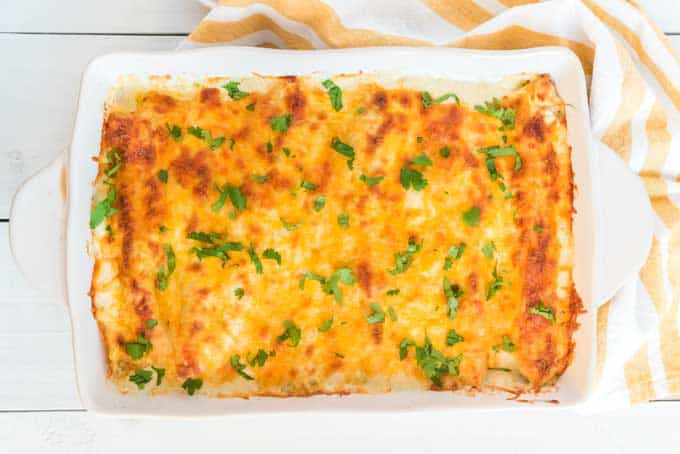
[{"x": 612, "y": 224}]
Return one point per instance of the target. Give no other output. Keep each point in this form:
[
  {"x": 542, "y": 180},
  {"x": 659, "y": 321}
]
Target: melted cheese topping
[{"x": 507, "y": 338}]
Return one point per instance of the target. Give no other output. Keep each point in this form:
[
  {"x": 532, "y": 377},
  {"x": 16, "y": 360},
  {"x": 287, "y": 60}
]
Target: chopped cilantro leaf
[
  {"x": 114, "y": 160},
  {"x": 174, "y": 131},
  {"x": 371, "y": 181},
  {"x": 444, "y": 152},
  {"x": 261, "y": 178},
  {"x": 291, "y": 332},
  {"x": 255, "y": 259},
  {"x": 103, "y": 209},
  {"x": 163, "y": 273},
  {"x": 270, "y": 148},
  {"x": 332, "y": 284},
  {"x": 488, "y": 249},
  {"x": 426, "y": 99},
  {"x": 403, "y": 259},
  {"x": 452, "y": 292},
  {"x": 259, "y": 359},
  {"x": 281, "y": 123},
  {"x": 235, "y": 195},
  {"x": 343, "y": 220},
  {"x": 319, "y": 203},
  {"x": 361, "y": 110},
  {"x": 141, "y": 378},
  {"x": 204, "y": 237},
  {"x": 139, "y": 347},
  {"x": 160, "y": 373},
  {"x": 334, "y": 94},
  {"x": 325, "y": 326},
  {"x": 452, "y": 337},
  {"x": 496, "y": 152},
  {"x": 151, "y": 323},
  {"x": 403, "y": 348},
  {"x": 494, "y": 109},
  {"x": 291, "y": 227},
  {"x": 411, "y": 178},
  {"x": 538, "y": 228},
  {"x": 392, "y": 292},
  {"x": 163, "y": 175},
  {"x": 446, "y": 96},
  {"x": 422, "y": 160},
  {"x": 543, "y": 311},
  {"x": 308, "y": 186},
  {"x": 250, "y": 107},
  {"x": 392, "y": 313},
  {"x": 239, "y": 292},
  {"x": 471, "y": 216},
  {"x": 206, "y": 136},
  {"x": 239, "y": 367},
  {"x": 217, "y": 250},
  {"x": 345, "y": 150},
  {"x": 434, "y": 363},
  {"x": 191, "y": 385},
  {"x": 495, "y": 284},
  {"x": 506, "y": 345},
  {"x": 234, "y": 91},
  {"x": 272, "y": 255},
  {"x": 377, "y": 316}
]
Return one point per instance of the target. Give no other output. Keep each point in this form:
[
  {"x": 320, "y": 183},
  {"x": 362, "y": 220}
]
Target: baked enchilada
[{"x": 290, "y": 236}]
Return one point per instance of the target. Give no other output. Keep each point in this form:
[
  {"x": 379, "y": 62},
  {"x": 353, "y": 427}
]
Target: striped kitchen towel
[{"x": 634, "y": 77}]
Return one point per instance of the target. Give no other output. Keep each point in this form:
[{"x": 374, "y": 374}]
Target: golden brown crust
[{"x": 525, "y": 226}]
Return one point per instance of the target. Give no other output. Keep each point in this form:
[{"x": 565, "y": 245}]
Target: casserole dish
[{"x": 625, "y": 248}]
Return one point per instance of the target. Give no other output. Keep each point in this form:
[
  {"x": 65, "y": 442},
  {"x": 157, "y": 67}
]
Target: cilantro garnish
[
  {"x": 141, "y": 378},
  {"x": 191, "y": 385},
  {"x": 308, "y": 186},
  {"x": 103, "y": 209},
  {"x": 371, "y": 181},
  {"x": 377, "y": 316},
  {"x": 493, "y": 108},
  {"x": 291, "y": 332},
  {"x": 325, "y": 326},
  {"x": 239, "y": 292},
  {"x": 488, "y": 249},
  {"x": 403, "y": 259},
  {"x": 259, "y": 359},
  {"x": 471, "y": 216},
  {"x": 255, "y": 259},
  {"x": 174, "y": 131},
  {"x": 454, "y": 252},
  {"x": 114, "y": 160},
  {"x": 291, "y": 227},
  {"x": 239, "y": 367},
  {"x": 250, "y": 107},
  {"x": 319, "y": 203},
  {"x": 411, "y": 178},
  {"x": 272, "y": 255},
  {"x": 206, "y": 136},
  {"x": 392, "y": 313},
  {"x": 151, "y": 323},
  {"x": 452, "y": 337},
  {"x": 234, "y": 193},
  {"x": 444, "y": 152},
  {"x": 452, "y": 292},
  {"x": 422, "y": 160},
  {"x": 334, "y": 94},
  {"x": 426, "y": 99},
  {"x": 204, "y": 237},
  {"x": 163, "y": 273},
  {"x": 446, "y": 96},
  {"x": 538, "y": 228},
  {"x": 392, "y": 292},
  {"x": 163, "y": 176},
  {"x": 345, "y": 150},
  {"x": 332, "y": 284},
  {"x": 506, "y": 345},
  {"x": 496, "y": 284},
  {"x": 543, "y": 311},
  {"x": 160, "y": 373},
  {"x": 234, "y": 91},
  {"x": 217, "y": 250},
  {"x": 431, "y": 361},
  {"x": 139, "y": 347},
  {"x": 261, "y": 178},
  {"x": 495, "y": 152},
  {"x": 281, "y": 123},
  {"x": 343, "y": 220}
]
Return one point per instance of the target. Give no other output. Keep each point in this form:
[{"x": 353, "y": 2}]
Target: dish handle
[
  {"x": 626, "y": 225},
  {"x": 37, "y": 228}
]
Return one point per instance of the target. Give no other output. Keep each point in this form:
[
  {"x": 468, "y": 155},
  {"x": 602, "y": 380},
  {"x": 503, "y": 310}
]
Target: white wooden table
[{"x": 44, "y": 46}]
